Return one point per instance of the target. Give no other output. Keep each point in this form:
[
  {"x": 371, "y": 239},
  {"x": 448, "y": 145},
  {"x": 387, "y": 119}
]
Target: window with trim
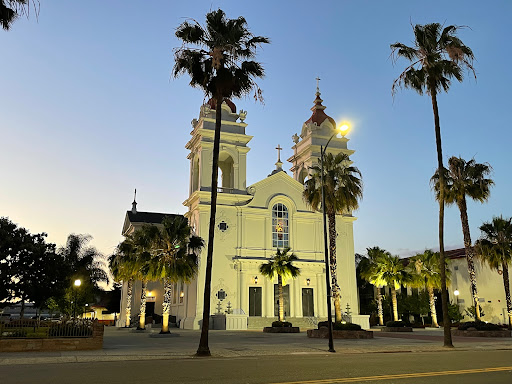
[{"x": 280, "y": 234}]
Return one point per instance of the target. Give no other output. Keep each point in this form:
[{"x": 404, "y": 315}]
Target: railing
[{"x": 34, "y": 329}]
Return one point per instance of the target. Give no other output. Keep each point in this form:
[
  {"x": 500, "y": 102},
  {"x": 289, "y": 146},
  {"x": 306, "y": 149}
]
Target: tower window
[{"x": 280, "y": 234}]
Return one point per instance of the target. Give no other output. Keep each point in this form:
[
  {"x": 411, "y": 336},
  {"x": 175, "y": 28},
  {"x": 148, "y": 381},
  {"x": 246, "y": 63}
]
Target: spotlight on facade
[
  {"x": 308, "y": 282},
  {"x": 78, "y": 282}
]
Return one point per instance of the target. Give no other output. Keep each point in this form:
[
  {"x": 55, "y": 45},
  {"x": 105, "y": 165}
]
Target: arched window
[{"x": 280, "y": 234}]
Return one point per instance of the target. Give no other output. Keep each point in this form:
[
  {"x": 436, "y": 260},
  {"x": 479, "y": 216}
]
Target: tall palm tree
[
  {"x": 371, "y": 272},
  {"x": 343, "y": 190},
  {"x": 427, "y": 274},
  {"x": 437, "y": 57},
  {"x": 281, "y": 264},
  {"x": 10, "y": 10},
  {"x": 174, "y": 258},
  {"x": 495, "y": 248},
  {"x": 218, "y": 59},
  {"x": 466, "y": 178},
  {"x": 392, "y": 272}
]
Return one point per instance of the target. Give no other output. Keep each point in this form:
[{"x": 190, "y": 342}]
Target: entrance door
[
  {"x": 254, "y": 301},
  {"x": 286, "y": 299},
  {"x": 308, "y": 309}
]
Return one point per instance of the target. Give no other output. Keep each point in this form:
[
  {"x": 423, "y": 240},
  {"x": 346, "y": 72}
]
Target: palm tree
[
  {"x": 142, "y": 242},
  {"x": 10, "y": 10},
  {"x": 218, "y": 58},
  {"x": 343, "y": 190},
  {"x": 124, "y": 267},
  {"x": 426, "y": 274},
  {"x": 495, "y": 249},
  {"x": 437, "y": 57},
  {"x": 370, "y": 271},
  {"x": 391, "y": 271},
  {"x": 281, "y": 264},
  {"x": 174, "y": 258},
  {"x": 466, "y": 178}
]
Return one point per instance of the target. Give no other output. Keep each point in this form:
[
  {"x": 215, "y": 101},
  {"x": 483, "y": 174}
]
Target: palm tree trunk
[
  {"x": 203, "y": 349},
  {"x": 166, "y": 305},
  {"x": 379, "y": 307},
  {"x": 142, "y": 315},
  {"x": 333, "y": 266},
  {"x": 281, "y": 297},
  {"x": 393, "y": 300},
  {"x": 433, "y": 311},
  {"x": 469, "y": 255},
  {"x": 442, "y": 266},
  {"x": 506, "y": 283},
  {"x": 129, "y": 294}
]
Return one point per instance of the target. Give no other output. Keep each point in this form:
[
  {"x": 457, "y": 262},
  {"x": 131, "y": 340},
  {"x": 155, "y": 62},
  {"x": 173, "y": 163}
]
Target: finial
[
  {"x": 317, "y": 85},
  {"x": 134, "y": 204}
]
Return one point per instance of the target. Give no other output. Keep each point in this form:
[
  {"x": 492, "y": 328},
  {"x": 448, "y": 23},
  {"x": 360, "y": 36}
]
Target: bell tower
[
  {"x": 232, "y": 153},
  {"x": 315, "y": 132}
]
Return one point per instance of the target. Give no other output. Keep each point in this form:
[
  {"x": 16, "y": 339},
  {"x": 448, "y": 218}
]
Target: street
[{"x": 312, "y": 368}]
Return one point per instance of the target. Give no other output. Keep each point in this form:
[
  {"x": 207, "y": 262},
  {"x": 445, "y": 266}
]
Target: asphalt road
[{"x": 466, "y": 367}]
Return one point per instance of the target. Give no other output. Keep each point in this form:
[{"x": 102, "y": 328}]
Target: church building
[{"x": 252, "y": 222}]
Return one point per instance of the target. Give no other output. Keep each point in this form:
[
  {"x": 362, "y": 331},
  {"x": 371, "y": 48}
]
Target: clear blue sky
[{"x": 88, "y": 110}]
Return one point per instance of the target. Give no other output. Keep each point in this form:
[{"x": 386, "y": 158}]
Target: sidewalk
[{"x": 125, "y": 345}]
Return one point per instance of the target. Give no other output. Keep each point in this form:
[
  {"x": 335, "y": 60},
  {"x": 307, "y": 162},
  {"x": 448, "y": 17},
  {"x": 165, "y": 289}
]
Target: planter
[
  {"x": 467, "y": 333},
  {"x": 396, "y": 329},
  {"x": 323, "y": 333},
  {"x": 281, "y": 329}
]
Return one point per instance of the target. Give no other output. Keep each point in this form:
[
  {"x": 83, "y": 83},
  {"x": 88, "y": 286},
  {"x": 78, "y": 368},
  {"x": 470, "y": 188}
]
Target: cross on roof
[
  {"x": 317, "y": 84},
  {"x": 278, "y": 152}
]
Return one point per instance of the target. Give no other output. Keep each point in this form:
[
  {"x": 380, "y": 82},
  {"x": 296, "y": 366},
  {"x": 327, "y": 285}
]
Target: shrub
[
  {"x": 347, "y": 327},
  {"x": 396, "y": 324},
  {"x": 479, "y": 325},
  {"x": 280, "y": 324},
  {"x": 340, "y": 326}
]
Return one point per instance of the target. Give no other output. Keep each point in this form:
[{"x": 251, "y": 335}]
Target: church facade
[{"x": 252, "y": 222}]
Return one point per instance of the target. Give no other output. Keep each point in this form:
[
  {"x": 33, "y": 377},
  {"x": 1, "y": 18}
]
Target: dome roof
[
  {"x": 319, "y": 116},
  {"x": 230, "y": 104}
]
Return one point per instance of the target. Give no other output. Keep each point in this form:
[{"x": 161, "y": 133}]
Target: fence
[{"x": 35, "y": 329}]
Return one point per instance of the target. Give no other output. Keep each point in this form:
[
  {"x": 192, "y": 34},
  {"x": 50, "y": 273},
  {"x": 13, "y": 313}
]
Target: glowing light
[
  {"x": 78, "y": 282},
  {"x": 308, "y": 281},
  {"x": 149, "y": 294},
  {"x": 456, "y": 292},
  {"x": 344, "y": 129},
  {"x": 182, "y": 294}
]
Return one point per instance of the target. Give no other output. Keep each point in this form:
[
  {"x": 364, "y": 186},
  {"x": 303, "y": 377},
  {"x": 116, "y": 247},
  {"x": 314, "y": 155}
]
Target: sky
[{"x": 89, "y": 111}]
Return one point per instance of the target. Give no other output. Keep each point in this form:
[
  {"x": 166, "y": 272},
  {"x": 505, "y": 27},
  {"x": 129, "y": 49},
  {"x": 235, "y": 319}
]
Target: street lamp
[
  {"x": 77, "y": 284},
  {"x": 456, "y": 294},
  {"x": 343, "y": 130}
]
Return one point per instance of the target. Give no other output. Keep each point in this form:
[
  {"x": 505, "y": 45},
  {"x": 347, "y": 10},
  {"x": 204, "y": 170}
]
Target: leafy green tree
[
  {"x": 466, "y": 178},
  {"x": 174, "y": 258},
  {"x": 30, "y": 269},
  {"x": 218, "y": 58},
  {"x": 437, "y": 57},
  {"x": 10, "y": 10},
  {"x": 343, "y": 190},
  {"x": 426, "y": 273},
  {"x": 281, "y": 264},
  {"x": 495, "y": 248}
]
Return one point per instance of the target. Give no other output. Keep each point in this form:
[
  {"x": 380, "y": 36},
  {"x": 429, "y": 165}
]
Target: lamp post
[
  {"x": 77, "y": 284},
  {"x": 343, "y": 130}
]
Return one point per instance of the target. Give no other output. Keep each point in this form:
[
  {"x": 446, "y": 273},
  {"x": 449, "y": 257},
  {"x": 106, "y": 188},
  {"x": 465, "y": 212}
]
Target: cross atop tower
[
  {"x": 134, "y": 204},
  {"x": 317, "y": 84},
  {"x": 279, "y": 152}
]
